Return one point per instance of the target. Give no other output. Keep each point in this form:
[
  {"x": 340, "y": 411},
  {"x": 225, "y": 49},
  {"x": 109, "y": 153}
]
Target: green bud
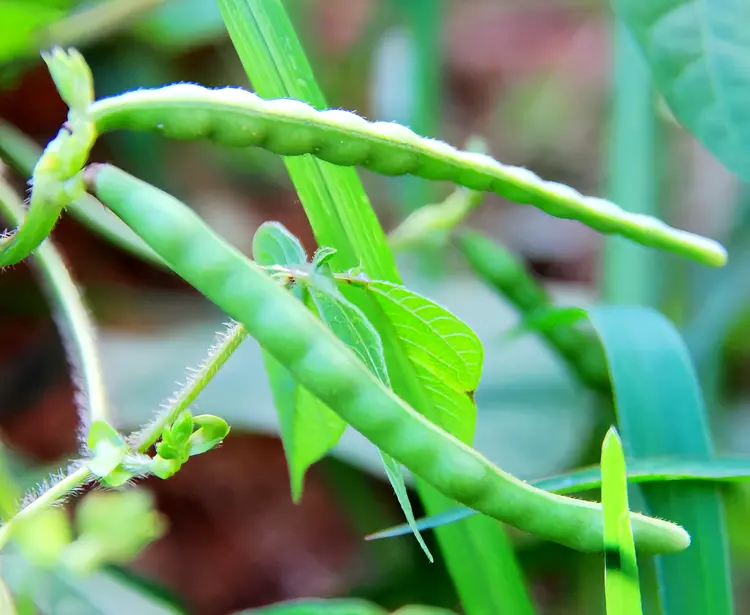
[{"x": 181, "y": 429}]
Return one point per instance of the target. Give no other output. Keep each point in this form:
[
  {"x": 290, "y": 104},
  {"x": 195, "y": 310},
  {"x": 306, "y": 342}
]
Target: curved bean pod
[
  {"x": 332, "y": 371},
  {"x": 57, "y": 180},
  {"x": 236, "y": 117}
]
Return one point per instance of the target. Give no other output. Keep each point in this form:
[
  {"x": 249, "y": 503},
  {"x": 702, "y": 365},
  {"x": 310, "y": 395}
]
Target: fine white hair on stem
[{"x": 197, "y": 379}]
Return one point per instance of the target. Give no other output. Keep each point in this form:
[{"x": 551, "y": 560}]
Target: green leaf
[
  {"x": 181, "y": 429},
  {"x": 661, "y": 412},
  {"x": 622, "y": 588},
  {"x": 309, "y": 429},
  {"x": 351, "y": 326},
  {"x": 427, "y": 610},
  {"x": 316, "y": 606},
  {"x": 446, "y": 354},
  {"x": 211, "y": 432},
  {"x": 643, "y": 470},
  {"x": 698, "y": 53}
]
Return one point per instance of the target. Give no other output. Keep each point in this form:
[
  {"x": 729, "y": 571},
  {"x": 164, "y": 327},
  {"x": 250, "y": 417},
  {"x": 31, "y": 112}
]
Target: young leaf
[
  {"x": 698, "y": 54},
  {"x": 43, "y": 536},
  {"x": 309, "y": 429},
  {"x": 211, "y": 432},
  {"x": 446, "y": 354},
  {"x": 620, "y": 565}
]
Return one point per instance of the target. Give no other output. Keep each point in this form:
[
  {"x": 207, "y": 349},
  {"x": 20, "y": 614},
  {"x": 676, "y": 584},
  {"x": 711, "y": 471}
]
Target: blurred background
[{"x": 537, "y": 80}]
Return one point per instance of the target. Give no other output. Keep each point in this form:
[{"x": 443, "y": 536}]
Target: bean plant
[{"x": 344, "y": 341}]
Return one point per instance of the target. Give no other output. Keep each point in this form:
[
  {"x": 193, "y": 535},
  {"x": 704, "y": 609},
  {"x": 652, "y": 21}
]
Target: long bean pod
[
  {"x": 333, "y": 372},
  {"x": 236, "y": 117}
]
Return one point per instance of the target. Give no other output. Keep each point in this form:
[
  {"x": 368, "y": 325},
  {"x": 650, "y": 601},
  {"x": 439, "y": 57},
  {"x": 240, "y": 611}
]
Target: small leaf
[
  {"x": 273, "y": 244},
  {"x": 211, "y": 431},
  {"x": 445, "y": 352},
  {"x": 322, "y": 257},
  {"x": 169, "y": 451}
]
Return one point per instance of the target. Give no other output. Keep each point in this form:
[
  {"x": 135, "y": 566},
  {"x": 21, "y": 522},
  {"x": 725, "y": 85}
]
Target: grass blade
[
  {"x": 622, "y": 589},
  {"x": 340, "y": 214},
  {"x": 661, "y": 412}
]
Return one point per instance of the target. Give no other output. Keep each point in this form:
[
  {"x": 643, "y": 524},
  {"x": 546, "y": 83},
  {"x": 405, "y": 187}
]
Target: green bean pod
[
  {"x": 333, "y": 372},
  {"x": 56, "y": 180},
  {"x": 506, "y": 274},
  {"x": 236, "y": 117}
]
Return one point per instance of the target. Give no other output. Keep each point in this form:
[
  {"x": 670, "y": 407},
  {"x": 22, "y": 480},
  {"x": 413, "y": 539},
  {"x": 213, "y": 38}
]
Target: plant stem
[
  {"x": 50, "y": 497},
  {"x": 227, "y": 343},
  {"x": 73, "y": 319}
]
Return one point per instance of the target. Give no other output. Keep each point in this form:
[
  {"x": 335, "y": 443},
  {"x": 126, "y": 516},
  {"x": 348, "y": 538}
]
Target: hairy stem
[
  {"x": 198, "y": 379},
  {"x": 73, "y": 320}
]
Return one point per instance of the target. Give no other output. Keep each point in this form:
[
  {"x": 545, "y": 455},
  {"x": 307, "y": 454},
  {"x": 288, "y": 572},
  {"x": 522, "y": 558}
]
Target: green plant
[{"x": 344, "y": 342}]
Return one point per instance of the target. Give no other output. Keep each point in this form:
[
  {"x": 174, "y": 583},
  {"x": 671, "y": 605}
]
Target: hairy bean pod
[
  {"x": 236, "y": 117},
  {"x": 332, "y": 371}
]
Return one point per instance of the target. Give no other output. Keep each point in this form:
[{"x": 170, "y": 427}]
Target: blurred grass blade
[
  {"x": 10, "y": 492},
  {"x": 621, "y": 583},
  {"x": 631, "y": 272},
  {"x": 72, "y": 318},
  {"x": 341, "y": 217},
  {"x": 661, "y": 412},
  {"x": 643, "y": 470},
  {"x": 21, "y": 153}
]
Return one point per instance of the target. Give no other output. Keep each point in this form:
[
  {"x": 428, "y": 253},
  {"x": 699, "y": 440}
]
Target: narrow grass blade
[
  {"x": 643, "y": 470},
  {"x": 630, "y": 271},
  {"x": 336, "y": 205},
  {"x": 622, "y": 591},
  {"x": 72, "y": 316},
  {"x": 21, "y": 153},
  {"x": 661, "y": 412}
]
